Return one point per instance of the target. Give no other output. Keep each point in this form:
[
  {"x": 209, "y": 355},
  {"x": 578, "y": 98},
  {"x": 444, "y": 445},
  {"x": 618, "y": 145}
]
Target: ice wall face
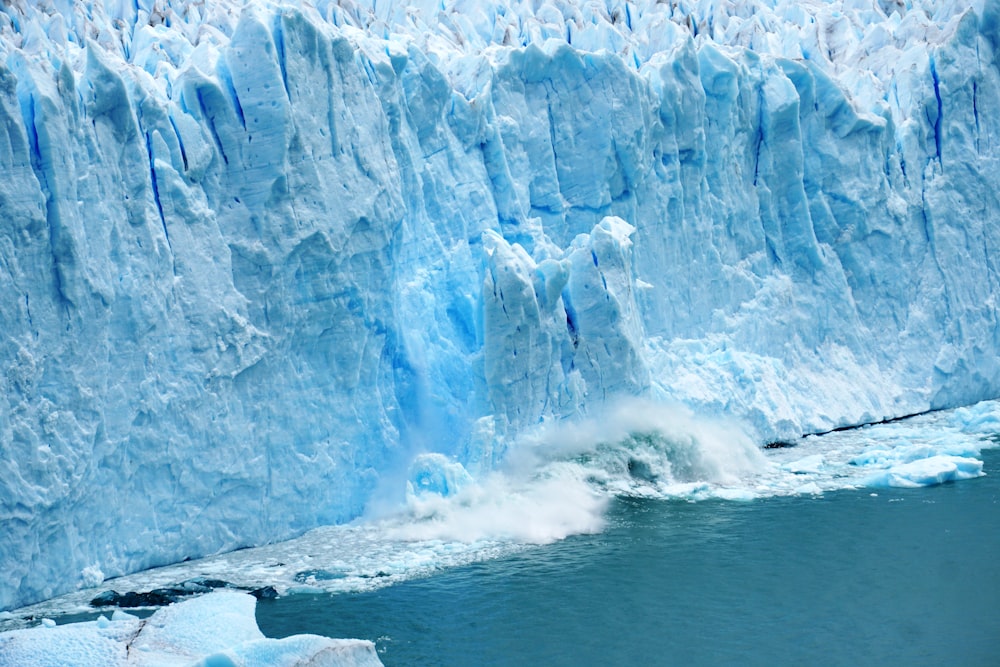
[{"x": 254, "y": 260}]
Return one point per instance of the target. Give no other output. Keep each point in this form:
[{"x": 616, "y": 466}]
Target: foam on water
[{"x": 558, "y": 481}]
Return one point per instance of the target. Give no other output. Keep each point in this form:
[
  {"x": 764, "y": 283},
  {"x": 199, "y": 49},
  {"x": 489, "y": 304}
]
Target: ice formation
[
  {"x": 216, "y": 630},
  {"x": 257, "y": 261}
]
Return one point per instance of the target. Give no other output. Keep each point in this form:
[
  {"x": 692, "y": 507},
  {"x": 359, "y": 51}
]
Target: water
[
  {"x": 864, "y": 576},
  {"x": 649, "y": 535}
]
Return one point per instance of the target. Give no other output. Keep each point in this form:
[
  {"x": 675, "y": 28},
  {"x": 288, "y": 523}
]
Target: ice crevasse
[{"x": 254, "y": 259}]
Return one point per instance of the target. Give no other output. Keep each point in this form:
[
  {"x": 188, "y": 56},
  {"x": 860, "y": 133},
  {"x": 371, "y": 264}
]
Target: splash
[{"x": 558, "y": 481}]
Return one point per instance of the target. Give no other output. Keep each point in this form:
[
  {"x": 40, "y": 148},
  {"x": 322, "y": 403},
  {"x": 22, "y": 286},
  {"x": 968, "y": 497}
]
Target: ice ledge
[{"x": 217, "y": 630}]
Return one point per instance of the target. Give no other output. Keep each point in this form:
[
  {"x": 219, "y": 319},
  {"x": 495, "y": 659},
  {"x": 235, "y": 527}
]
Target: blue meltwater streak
[{"x": 864, "y": 576}]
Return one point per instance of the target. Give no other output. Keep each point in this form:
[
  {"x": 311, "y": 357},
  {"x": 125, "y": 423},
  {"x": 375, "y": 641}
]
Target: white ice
[
  {"x": 215, "y": 630},
  {"x": 263, "y": 263},
  {"x": 550, "y": 493}
]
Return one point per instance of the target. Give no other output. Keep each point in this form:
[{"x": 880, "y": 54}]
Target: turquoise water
[{"x": 875, "y": 577}]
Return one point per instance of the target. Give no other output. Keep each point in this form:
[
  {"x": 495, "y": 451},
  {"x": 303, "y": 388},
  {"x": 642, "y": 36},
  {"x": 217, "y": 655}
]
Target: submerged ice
[{"x": 264, "y": 265}]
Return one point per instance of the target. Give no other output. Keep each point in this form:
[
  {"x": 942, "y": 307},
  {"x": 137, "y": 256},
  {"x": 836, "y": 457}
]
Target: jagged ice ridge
[{"x": 255, "y": 259}]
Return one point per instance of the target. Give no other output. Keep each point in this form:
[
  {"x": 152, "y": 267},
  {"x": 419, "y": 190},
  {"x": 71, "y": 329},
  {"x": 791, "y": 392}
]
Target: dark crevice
[
  {"x": 574, "y": 336},
  {"x": 552, "y": 138},
  {"x": 975, "y": 111},
  {"x": 226, "y": 79},
  {"x": 926, "y": 221},
  {"x": 888, "y": 420},
  {"x": 156, "y": 189},
  {"x": 503, "y": 306},
  {"x": 937, "y": 118},
  {"x": 28, "y": 112},
  {"x": 51, "y": 210},
  {"x": 757, "y": 148},
  {"x": 279, "y": 48},
  {"x": 782, "y": 444},
  {"x": 772, "y": 253},
  {"x": 210, "y": 121},
  {"x": 180, "y": 142}
]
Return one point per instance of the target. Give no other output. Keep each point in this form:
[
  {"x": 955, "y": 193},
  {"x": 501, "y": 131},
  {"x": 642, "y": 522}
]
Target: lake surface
[{"x": 865, "y": 576}]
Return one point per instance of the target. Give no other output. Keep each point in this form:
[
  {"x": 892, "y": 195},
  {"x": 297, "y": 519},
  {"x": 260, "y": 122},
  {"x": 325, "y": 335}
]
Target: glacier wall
[{"x": 253, "y": 260}]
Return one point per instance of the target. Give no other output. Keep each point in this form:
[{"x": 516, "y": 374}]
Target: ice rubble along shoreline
[
  {"x": 218, "y": 629},
  {"x": 255, "y": 259}
]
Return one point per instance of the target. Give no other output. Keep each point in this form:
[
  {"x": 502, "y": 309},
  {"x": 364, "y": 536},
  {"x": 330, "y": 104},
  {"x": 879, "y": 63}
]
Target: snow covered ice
[
  {"x": 262, "y": 266},
  {"x": 215, "y": 630}
]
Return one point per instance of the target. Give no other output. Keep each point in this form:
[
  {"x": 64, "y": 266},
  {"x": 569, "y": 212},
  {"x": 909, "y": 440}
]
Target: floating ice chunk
[
  {"x": 809, "y": 464},
  {"x": 198, "y": 627},
  {"x": 928, "y": 472},
  {"x": 812, "y": 488},
  {"x": 218, "y": 629},
  {"x": 296, "y": 651},
  {"x": 907, "y": 453}
]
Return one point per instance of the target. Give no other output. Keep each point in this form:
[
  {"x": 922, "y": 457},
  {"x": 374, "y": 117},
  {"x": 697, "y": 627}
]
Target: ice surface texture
[
  {"x": 216, "y": 630},
  {"x": 253, "y": 261}
]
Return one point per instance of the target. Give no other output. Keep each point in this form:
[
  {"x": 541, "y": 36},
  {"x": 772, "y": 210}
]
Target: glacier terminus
[{"x": 263, "y": 264}]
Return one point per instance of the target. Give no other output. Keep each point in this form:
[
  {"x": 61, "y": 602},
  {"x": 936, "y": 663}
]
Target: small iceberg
[
  {"x": 928, "y": 472},
  {"x": 215, "y": 630}
]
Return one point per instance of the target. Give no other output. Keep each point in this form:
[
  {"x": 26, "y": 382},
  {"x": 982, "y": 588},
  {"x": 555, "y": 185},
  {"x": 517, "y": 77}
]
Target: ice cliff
[{"x": 253, "y": 260}]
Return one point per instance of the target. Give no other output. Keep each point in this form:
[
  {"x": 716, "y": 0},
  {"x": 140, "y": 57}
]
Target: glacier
[{"x": 261, "y": 261}]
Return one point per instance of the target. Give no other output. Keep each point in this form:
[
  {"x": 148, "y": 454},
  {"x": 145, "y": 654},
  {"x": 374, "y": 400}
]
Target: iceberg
[
  {"x": 258, "y": 259},
  {"x": 217, "y": 630},
  {"x": 928, "y": 472}
]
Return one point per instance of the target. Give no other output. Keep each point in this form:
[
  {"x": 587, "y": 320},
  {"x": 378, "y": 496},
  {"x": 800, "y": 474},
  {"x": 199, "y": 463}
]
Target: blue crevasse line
[
  {"x": 369, "y": 69},
  {"x": 926, "y": 219},
  {"x": 226, "y": 78},
  {"x": 756, "y": 158},
  {"x": 26, "y": 101},
  {"x": 759, "y": 139},
  {"x": 180, "y": 141},
  {"x": 937, "y": 119},
  {"x": 572, "y": 326},
  {"x": 210, "y": 122},
  {"x": 975, "y": 110},
  {"x": 156, "y": 189},
  {"x": 279, "y": 52}
]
